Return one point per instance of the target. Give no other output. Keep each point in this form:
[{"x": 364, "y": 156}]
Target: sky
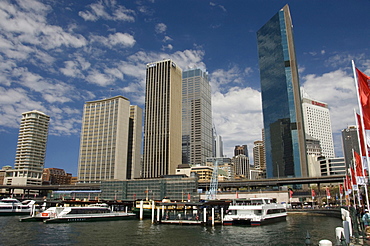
[{"x": 56, "y": 55}]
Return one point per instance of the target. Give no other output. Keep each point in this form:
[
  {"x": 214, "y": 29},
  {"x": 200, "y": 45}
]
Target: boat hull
[
  {"x": 247, "y": 222},
  {"x": 89, "y": 219}
]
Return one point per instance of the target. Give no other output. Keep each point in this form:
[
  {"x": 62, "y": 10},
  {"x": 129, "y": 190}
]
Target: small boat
[
  {"x": 94, "y": 212},
  {"x": 254, "y": 212},
  {"x": 12, "y": 206}
]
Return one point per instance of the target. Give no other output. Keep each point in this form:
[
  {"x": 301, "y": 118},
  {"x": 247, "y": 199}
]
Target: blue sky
[{"x": 56, "y": 55}]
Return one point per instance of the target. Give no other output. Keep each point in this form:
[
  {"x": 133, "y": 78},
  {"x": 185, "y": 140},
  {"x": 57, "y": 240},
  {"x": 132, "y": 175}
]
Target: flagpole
[
  {"x": 357, "y": 183},
  {"x": 363, "y": 133},
  {"x": 361, "y": 154}
]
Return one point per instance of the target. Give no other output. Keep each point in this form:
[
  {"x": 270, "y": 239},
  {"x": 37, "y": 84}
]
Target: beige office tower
[
  {"x": 259, "y": 155},
  {"x": 31, "y": 150},
  {"x": 105, "y": 143},
  {"x": 162, "y": 128},
  {"x": 134, "y": 147}
]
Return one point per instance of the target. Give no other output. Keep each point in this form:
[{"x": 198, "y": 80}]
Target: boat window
[
  {"x": 232, "y": 212},
  {"x": 258, "y": 212}
]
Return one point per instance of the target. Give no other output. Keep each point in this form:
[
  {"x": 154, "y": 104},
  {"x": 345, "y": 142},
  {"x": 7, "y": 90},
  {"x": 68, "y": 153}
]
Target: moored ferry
[
  {"x": 254, "y": 212},
  {"x": 12, "y": 206},
  {"x": 95, "y": 212}
]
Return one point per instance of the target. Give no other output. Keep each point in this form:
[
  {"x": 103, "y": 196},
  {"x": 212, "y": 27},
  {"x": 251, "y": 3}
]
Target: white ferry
[
  {"x": 254, "y": 212},
  {"x": 12, "y": 206},
  {"x": 94, "y": 212}
]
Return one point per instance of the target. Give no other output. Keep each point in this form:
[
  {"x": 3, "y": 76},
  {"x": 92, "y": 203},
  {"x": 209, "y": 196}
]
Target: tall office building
[
  {"x": 350, "y": 142},
  {"x": 134, "y": 142},
  {"x": 259, "y": 155},
  {"x": 196, "y": 117},
  {"x": 219, "y": 146},
  {"x": 285, "y": 143},
  {"x": 106, "y": 149},
  {"x": 317, "y": 124},
  {"x": 241, "y": 150},
  {"x": 162, "y": 127},
  {"x": 31, "y": 150}
]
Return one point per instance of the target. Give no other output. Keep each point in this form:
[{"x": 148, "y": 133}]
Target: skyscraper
[
  {"x": 31, "y": 149},
  {"x": 106, "y": 151},
  {"x": 350, "y": 142},
  {"x": 259, "y": 155},
  {"x": 219, "y": 146},
  {"x": 317, "y": 124},
  {"x": 134, "y": 142},
  {"x": 196, "y": 117},
  {"x": 285, "y": 143},
  {"x": 241, "y": 150},
  {"x": 162, "y": 127}
]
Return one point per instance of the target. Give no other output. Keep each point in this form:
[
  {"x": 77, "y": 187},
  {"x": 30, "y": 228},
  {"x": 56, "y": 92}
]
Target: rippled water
[{"x": 135, "y": 232}]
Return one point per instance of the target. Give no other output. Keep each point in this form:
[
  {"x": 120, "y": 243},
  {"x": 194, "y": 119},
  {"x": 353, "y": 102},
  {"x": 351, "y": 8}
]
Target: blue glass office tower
[{"x": 281, "y": 100}]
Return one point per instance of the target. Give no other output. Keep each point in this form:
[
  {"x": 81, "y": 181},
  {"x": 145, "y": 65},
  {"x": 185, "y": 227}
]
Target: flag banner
[
  {"x": 360, "y": 177},
  {"x": 290, "y": 193},
  {"x": 313, "y": 194},
  {"x": 327, "y": 193},
  {"x": 348, "y": 185},
  {"x": 353, "y": 176},
  {"x": 341, "y": 189},
  {"x": 364, "y": 150},
  {"x": 364, "y": 98}
]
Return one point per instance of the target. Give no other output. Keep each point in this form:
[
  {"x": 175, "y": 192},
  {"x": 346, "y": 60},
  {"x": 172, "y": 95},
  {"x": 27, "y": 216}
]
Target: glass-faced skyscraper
[
  {"x": 196, "y": 117},
  {"x": 285, "y": 144},
  {"x": 162, "y": 128}
]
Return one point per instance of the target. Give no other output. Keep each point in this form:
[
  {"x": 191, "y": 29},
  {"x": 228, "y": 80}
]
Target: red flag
[
  {"x": 290, "y": 193},
  {"x": 341, "y": 189},
  {"x": 361, "y": 136},
  {"x": 359, "y": 170},
  {"x": 313, "y": 194},
  {"x": 364, "y": 96},
  {"x": 237, "y": 195},
  {"x": 327, "y": 192}
]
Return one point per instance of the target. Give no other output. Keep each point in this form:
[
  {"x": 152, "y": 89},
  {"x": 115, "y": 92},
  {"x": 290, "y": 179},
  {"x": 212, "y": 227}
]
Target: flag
[
  {"x": 348, "y": 185},
  {"x": 341, "y": 189},
  {"x": 364, "y": 96},
  {"x": 237, "y": 195},
  {"x": 313, "y": 194},
  {"x": 327, "y": 193},
  {"x": 290, "y": 193},
  {"x": 359, "y": 171},
  {"x": 363, "y": 148}
]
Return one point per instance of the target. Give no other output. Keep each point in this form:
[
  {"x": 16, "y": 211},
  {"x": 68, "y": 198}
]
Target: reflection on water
[{"x": 133, "y": 232}]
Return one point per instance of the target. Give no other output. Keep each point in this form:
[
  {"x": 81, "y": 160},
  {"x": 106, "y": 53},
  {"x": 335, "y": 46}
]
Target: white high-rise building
[
  {"x": 31, "y": 150},
  {"x": 317, "y": 124},
  {"x": 196, "y": 117},
  {"x": 109, "y": 140}
]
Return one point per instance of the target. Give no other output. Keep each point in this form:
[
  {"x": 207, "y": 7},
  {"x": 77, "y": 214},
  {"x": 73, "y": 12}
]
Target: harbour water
[{"x": 134, "y": 232}]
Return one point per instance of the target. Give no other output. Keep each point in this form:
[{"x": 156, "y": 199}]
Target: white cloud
[
  {"x": 337, "y": 89},
  {"x": 160, "y": 28},
  {"x": 98, "y": 78},
  {"x": 237, "y": 116},
  {"x": 107, "y": 10},
  {"x": 124, "y": 39}
]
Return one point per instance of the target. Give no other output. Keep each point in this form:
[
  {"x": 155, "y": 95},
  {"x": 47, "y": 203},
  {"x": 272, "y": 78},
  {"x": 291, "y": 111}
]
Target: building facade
[
  {"x": 241, "y": 150},
  {"x": 259, "y": 155},
  {"x": 196, "y": 117},
  {"x": 350, "y": 142},
  {"x": 106, "y": 149},
  {"x": 241, "y": 166},
  {"x": 317, "y": 124},
  {"x": 31, "y": 150},
  {"x": 219, "y": 146},
  {"x": 285, "y": 144},
  {"x": 162, "y": 127},
  {"x": 56, "y": 176}
]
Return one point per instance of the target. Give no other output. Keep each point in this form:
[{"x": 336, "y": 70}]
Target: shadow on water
[{"x": 134, "y": 232}]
